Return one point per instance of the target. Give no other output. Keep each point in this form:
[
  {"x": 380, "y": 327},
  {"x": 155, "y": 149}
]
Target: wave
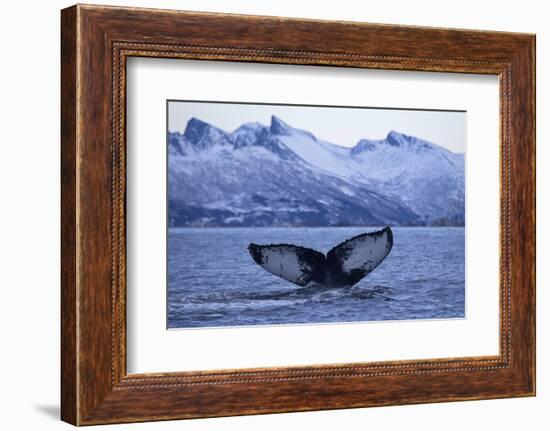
[{"x": 277, "y": 298}]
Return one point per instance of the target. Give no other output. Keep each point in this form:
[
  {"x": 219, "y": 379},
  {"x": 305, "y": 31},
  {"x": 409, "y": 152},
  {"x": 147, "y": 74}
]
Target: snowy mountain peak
[
  {"x": 393, "y": 139},
  {"x": 203, "y": 135},
  {"x": 195, "y": 129},
  {"x": 279, "y": 127},
  {"x": 248, "y": 127},
  {"x": 396, "y": 139},
  {"x": 364, "y": 145},
  {"x": 248, "y": 134}
]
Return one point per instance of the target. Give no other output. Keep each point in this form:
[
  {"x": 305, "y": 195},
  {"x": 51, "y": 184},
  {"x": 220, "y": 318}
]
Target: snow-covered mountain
[{"x": 278, "y": 175}]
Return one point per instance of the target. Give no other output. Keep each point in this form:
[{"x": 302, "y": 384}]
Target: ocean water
[{"x": 213, "y": 281}]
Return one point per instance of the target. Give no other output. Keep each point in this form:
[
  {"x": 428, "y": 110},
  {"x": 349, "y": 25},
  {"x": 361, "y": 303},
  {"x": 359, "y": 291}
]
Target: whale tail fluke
[{"x": 344, "y": 265}]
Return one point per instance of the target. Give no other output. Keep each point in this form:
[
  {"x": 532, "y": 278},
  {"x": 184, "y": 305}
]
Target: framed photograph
[
  {"x": 264, "y": 215},
  {"x": 270, "y": 182}
]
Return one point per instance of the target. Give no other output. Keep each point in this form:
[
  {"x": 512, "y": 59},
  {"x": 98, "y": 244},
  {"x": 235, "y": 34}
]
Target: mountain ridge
[{"x": 279, "y": 175}]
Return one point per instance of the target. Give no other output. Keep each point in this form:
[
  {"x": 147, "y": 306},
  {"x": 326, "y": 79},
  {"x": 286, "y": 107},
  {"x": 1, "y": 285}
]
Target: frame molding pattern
[{"x": 96, "y": 41}]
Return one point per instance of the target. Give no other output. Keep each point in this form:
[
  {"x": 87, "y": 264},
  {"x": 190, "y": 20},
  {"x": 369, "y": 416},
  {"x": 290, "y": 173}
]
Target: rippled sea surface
[{"x": 213, "y": 281}]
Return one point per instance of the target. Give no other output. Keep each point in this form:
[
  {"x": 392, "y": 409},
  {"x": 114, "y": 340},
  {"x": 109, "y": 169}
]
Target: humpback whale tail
[{"x": 344, "y": 265}]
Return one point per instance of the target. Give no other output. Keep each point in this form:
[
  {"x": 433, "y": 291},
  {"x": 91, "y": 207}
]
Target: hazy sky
[{"x": 341, "y": 126}]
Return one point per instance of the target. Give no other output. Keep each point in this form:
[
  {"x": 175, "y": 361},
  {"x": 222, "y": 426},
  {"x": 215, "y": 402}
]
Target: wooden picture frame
[{"x": 95, "y": 43}]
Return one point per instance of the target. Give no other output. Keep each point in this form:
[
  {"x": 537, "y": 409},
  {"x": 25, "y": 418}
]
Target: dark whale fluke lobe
[{"x": 343, "y": 266}]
